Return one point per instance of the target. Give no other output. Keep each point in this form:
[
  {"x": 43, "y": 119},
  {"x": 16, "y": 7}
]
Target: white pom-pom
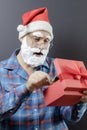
[{"x": 20, "y": 28}]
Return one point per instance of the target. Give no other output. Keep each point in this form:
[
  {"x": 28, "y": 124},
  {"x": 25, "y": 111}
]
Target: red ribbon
[{"x": 73, "y": 73}]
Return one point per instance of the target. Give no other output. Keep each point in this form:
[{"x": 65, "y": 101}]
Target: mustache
[{"x": 38, "y": 51}]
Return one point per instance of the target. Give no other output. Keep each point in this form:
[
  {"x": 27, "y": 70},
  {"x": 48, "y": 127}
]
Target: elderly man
[{"x": 23, "y": 79}]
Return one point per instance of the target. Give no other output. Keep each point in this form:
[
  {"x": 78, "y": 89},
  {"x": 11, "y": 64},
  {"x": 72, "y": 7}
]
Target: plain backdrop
[{"x": 69, "y": 20}]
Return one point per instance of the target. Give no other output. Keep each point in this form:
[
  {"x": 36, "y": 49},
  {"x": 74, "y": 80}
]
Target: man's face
[
  {"x": 38, "y": 39},
  {"x": 35, "y": 47}
]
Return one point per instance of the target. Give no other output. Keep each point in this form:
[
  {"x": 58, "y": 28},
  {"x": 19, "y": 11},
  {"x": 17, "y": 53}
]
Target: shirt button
[
  {"x": 35, "y": 109},
  {"x": 34, "y": 91},
  {"x": 10, "y": 111}
]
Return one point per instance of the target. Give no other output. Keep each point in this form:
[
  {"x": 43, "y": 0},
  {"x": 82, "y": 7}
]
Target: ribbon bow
[{"x": 77, "y": 72}]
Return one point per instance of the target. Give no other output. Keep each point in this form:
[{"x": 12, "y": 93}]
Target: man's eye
[
  {"x": 47, "y": 40},
  {"x": 37, "y": 38}
]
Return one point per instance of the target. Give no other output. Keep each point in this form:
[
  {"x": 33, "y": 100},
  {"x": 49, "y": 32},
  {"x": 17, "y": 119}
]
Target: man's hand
[
  {"x": 37, "y": 80},
  {"x": 84, "y": 97}
]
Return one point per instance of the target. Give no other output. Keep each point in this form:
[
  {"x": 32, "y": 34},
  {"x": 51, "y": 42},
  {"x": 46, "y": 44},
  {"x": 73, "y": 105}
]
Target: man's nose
[
  {"x": 41, "y": 44},
  {"x": 41, "y": 41}
]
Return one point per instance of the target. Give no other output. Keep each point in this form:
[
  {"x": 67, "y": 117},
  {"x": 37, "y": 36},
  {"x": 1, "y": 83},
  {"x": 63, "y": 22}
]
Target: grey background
[{"x": 69, "y": 20}]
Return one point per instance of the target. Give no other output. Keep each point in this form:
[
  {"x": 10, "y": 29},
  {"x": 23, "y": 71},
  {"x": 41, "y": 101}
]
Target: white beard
[{"x": 29, "y": 58}]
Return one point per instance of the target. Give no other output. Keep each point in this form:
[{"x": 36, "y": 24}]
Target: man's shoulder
[
  {"x": 9, "y": 63},
  {"x": 50, "y": 60},
  {"x": 3, "y": 64},
  {"x": 51, "y": 66}
]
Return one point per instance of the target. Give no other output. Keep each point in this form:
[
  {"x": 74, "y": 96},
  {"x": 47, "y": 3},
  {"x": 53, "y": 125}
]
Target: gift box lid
[{"x": 70, "y": 69}]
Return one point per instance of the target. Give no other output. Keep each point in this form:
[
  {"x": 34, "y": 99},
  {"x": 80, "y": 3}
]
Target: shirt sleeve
[
  {"x": 73, "y": 114},
  {"x": 11, "y": 101}
]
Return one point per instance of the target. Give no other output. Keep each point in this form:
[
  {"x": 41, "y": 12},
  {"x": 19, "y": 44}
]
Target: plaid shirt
[{"x": 22, "y": 110}]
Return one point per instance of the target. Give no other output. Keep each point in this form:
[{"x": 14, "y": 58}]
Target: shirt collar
[{"x": 12, "y": 62}]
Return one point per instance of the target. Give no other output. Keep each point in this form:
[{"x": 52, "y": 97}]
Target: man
[{"x": 23, "y": 79}]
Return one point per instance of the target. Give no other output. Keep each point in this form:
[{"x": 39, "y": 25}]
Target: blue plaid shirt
[{"x": 22, "y": 110}]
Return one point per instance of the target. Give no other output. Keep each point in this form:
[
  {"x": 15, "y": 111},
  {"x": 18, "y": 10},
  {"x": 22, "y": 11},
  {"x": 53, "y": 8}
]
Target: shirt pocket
[{"x": 9, "y": 87}]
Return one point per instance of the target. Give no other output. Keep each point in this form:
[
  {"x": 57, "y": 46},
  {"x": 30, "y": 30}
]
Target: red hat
[{"x": 35, "y": 20}]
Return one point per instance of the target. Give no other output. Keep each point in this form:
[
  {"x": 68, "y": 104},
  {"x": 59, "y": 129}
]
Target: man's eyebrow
[
  {"x": 49, "y": 37},
  {"x": 38, "y": 34}
]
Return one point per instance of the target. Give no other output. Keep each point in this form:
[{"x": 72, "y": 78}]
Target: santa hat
[{"x": 35, "y": 20}]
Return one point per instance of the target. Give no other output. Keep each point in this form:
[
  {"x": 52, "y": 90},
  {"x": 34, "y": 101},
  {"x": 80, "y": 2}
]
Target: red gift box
[{"x": 72, "y": 81}]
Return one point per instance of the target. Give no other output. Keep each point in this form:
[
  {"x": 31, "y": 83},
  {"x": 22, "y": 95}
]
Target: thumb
[{"x": 54, "y": 79}]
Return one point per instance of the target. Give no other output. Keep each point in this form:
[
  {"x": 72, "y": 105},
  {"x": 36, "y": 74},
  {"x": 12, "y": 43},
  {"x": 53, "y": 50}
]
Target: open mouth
[{"x": 38, "y": 54}]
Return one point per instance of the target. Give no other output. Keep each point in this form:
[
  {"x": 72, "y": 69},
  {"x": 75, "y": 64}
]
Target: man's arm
[
  {"x": 11, "y": 101},
  {"x": 73, "y": 114}
]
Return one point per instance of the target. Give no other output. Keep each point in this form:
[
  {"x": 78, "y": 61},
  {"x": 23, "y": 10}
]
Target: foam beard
[{"x": 29, "y": 57}]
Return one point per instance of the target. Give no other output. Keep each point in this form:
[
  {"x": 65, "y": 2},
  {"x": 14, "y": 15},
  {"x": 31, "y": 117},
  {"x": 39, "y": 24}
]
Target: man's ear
[{"x": 21, "y": 40}]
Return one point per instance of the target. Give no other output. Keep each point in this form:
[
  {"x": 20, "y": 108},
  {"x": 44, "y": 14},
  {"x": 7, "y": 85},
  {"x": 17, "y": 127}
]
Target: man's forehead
[{"x": 41, "y": 34}]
